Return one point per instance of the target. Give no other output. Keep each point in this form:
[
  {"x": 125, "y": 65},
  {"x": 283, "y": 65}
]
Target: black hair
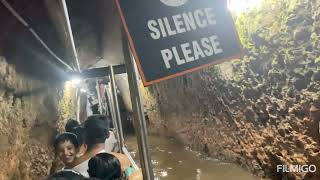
[
  {"x": 96, "y": 130},
  {"x": 95, "y": 109},
  {"x": 65, "y": 178},
  {"x": 66, "y": 136},
  {"x": 79, "y": 132},
  {"x": 110, "y": 122},
  {"x": 104, "y": 166},
  {"x": 66, "y": 175},
  {"x": 71, "y": 124}
]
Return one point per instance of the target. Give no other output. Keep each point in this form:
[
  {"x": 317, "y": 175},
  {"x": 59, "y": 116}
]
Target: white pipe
[
  {"x": 134, "y": 164},
  {"x": 78, "y": 96},
  {"x": 99, "y": 95},
  {"x": 22, "y": 21},
  {"x": 74, "y": 51}
]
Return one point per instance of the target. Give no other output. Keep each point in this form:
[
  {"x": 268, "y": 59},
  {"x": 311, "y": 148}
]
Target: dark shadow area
[{"x": 20, "y": 47}]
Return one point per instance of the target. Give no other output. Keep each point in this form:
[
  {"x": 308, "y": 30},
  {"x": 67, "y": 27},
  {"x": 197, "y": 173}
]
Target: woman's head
[
  {"x": 71, "y": 124},
  {"x": 104, "y": 166},
  {"x": 79, "y": 132},
  {"x": 66, "y": 145}
]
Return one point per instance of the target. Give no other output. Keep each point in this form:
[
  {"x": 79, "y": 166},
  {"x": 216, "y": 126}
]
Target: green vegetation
[{"x": 281, "y": 42}]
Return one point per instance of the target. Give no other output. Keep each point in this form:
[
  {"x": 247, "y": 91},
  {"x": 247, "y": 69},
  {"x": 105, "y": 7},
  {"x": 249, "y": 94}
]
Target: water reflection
[{"x": 172, "y": 161}]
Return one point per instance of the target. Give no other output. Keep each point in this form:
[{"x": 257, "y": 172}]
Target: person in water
[
  {"x": 79, "y": 132},
  {"x": 71, "y": 125},
  {"x": 104, "y": 166},
  {"x": 96, "y": 131},
  {"x": 107, "y": 167},
  {"x": 68, "y": 174},
  {"x": 66, "y": 147}
]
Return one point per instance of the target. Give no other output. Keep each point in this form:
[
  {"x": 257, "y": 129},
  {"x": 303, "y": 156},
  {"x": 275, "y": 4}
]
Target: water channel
[{"x": 173, "y": 161}]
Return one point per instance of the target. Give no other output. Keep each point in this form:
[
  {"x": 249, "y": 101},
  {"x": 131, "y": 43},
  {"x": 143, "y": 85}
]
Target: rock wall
[
  {"x": 29, "y": 116},
  {"x": 257, "y": 116}
]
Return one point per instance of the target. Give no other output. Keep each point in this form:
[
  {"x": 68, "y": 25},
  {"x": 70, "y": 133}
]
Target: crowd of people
[{"x": 90, "y": 151}]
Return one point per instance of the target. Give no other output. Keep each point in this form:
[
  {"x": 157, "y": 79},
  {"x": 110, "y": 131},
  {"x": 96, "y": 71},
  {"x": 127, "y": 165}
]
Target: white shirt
[
  {"x": 111, "y": 142},
  {"x": 83, "y": 167}
]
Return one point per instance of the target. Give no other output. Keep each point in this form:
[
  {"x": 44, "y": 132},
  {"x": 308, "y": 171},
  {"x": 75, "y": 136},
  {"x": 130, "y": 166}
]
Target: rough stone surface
[
  {"x": 258, "y": 115},
  {"x": 220, "y": 122},
  {"x": 28, "y": 117}
]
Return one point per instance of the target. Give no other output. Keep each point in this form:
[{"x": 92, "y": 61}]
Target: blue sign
[{"x": 169, "y": 38}]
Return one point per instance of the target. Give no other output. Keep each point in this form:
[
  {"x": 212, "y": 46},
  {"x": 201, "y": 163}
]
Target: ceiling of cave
[{"x": 95, "y": 25}]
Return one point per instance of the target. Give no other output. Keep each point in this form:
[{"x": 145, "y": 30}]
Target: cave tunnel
[{"x": 255, "y": 117}]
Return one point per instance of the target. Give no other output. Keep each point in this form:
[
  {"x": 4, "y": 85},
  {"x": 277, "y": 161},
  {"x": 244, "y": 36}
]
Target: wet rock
[
  {"x": 286, "y": 84},
  {"x": 302, "y": 33},
  {"x": 316, "y": 76},
  {"x": 301, "y": 83},
  {"x": 24, "y": 157}
]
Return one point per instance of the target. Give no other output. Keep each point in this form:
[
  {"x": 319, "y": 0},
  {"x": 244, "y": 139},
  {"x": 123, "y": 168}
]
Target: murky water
[{"x": 173, "y": 161}]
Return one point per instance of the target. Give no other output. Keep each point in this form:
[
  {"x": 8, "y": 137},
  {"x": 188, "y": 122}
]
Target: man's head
[
  {"x": 66, "y": 146},
  {"x": 96, "y": 130}
]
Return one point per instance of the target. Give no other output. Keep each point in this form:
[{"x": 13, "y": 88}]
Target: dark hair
[
  {"x": 79, "y": 132},
  {"x": 66, "y": 175},
  {"x": 71, "y": 124},
  {"x": 66, "y": 136},
  {"x": 95, "y": 109},
  {"x": 104, "y": 166},
  {"x": 96, "y": 130}
]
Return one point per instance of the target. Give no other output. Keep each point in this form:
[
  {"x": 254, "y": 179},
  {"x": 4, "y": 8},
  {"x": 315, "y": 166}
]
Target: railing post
[
  {"x": 138, "y": 114},
  {"x": 116, "y": 107}
]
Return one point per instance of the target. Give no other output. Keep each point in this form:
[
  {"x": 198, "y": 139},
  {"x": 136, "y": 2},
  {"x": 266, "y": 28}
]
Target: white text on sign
[{"x": 190, "y": 51}]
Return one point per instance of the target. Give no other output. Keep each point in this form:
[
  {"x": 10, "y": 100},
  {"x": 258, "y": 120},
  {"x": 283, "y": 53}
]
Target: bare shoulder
[{"x": 124, "y": 161}]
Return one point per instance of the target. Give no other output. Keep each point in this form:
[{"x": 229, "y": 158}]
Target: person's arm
[
  {"x": 124, "y": 161},
  {"x": 137, "y": 175}
]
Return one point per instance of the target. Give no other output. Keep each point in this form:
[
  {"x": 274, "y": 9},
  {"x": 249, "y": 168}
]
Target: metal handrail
[{"x": 134, "y": 164}]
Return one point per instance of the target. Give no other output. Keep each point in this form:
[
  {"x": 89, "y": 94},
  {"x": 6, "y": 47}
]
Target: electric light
[
  {"x": 83, "y": 90},
  {"x": 75, "y": 81}
]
